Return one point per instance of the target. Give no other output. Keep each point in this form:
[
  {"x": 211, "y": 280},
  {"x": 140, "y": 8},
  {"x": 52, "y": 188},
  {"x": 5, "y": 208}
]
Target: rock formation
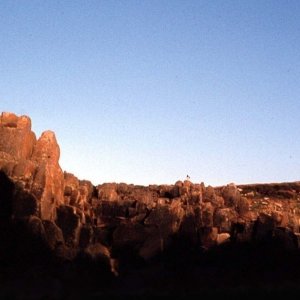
[
  {"x": 120, "y": 223},
  {"x": 32, "y": 164}
]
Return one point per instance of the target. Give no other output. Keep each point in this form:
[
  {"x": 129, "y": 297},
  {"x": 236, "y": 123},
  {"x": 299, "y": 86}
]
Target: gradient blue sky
[{"x": 150, "y": 91}]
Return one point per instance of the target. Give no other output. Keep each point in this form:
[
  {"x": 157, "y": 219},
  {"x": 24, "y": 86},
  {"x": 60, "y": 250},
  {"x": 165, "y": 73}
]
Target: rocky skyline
[
  {"x": 145, "y": 92},
  {"x": 119, "y": 226}
]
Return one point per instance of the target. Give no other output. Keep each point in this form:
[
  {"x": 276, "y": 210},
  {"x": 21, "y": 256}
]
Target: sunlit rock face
[
  {"x": 49, "y": 180},
  {"x": 31, "y": 162},
  {"x": 126, "y": 222},
  {"x": 16, "y": 137}
]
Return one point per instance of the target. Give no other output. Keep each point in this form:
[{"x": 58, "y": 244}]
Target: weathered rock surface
[
  {"x": 17, "y": 139},
  {"x": 32, "y": 163},
  {"x": 116, "y": 221}
]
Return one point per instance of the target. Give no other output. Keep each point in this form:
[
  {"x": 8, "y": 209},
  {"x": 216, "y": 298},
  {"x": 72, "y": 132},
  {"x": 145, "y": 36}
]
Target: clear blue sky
[{"x": 150, "y": 91}]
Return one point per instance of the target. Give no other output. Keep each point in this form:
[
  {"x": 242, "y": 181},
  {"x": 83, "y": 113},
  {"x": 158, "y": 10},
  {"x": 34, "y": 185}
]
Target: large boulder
[
  {"x": 32, "y": 163},
  {"x": 71, "y": 184},
  {"x": 163, "y": 221},
  {"x": 54, "y": 235},
  {"x": 166, "y": 218},
  {"x": 231, "y": 195},
  {"x": 16, "y": 137},
  {"x": 108, "y": 192},
  {"x": 209, "y": 194},
  {"x": 263, "y": 227},
  {"x": 77, "y": 192},
  {"x": 24, "y": 172},
  {"x": 24, "y": 203},
  {"x": 98, "y": 256},
  {"x": 85, "y": 236},
  {"x": 224, "y": 218},
  {"x": 48, "y": 183},
  {"x": 29, "y": 240},
  {"x": 69, "y": 222},
  {"x": 147, "y": 197},
  {"x": 207, "y": 214},
  {"x": 188, "y": 230}
]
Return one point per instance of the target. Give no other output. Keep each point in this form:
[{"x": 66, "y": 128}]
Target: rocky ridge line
[{"x": 120, "y": 222}]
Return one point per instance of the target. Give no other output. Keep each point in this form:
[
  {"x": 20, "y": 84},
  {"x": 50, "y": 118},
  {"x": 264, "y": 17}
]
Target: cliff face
[
  {"x": 32, "y": 164},
  {"x": 120, "y": 222}
]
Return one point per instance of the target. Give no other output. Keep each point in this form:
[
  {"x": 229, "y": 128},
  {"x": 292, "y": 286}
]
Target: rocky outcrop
[
  {"x": 32, "y": 163},
  {"x": 48, "y": 184},
  {"x": 117, "y": 221},
  {"x": 17, "y": 139}
]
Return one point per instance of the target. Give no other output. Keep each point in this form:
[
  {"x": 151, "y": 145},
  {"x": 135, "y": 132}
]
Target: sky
[{"x": 149, "y": 91}]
